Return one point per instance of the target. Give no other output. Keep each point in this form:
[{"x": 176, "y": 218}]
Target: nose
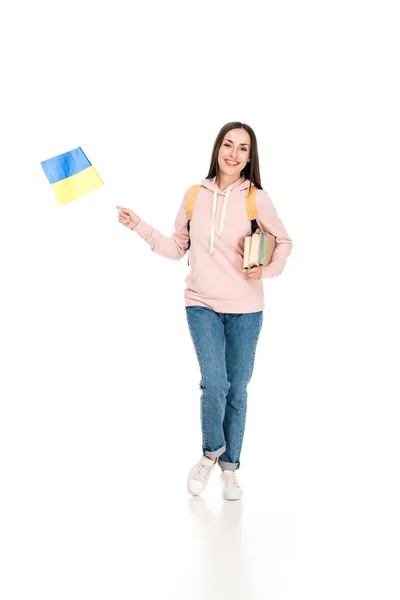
[{"x": 233, "y": 154}]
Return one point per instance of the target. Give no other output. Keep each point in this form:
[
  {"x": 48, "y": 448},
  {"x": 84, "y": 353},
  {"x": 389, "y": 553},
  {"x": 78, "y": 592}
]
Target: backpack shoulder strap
[
  {"x": 251, "y": 203},
  {"x": 191, "y": 199}
]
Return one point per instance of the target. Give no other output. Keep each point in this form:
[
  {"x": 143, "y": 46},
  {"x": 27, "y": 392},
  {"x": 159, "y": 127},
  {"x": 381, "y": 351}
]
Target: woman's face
[{"x": 234, "y": 152}]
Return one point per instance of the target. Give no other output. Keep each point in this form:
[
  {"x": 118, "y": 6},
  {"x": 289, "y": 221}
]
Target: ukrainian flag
[{"x": 71, "y": 175}]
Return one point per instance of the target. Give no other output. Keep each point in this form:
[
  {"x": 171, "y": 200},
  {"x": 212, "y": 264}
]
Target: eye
[{"x": 227, "y": 145}]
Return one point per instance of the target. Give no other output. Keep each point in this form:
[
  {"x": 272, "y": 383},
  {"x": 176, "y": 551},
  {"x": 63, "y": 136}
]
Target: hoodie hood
[{"x": 211, "y": 185}]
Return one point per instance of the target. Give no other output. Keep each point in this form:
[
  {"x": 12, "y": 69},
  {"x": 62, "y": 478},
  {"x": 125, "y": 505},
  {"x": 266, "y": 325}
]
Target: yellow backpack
[{"x": 250, "y": 207}]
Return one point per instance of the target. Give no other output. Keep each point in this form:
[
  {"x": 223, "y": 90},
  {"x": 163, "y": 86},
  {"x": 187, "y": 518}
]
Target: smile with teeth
[{"x": 231, "y": 163}]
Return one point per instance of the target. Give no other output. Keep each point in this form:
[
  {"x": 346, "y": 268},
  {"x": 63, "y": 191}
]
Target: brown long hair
[{"x": 252, "y": 168}]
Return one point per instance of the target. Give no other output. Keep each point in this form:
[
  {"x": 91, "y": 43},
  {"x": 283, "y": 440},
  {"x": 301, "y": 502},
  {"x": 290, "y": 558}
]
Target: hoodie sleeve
[
  {"x": 174, "y": 247},
  {"x": 269, "y": 221}
]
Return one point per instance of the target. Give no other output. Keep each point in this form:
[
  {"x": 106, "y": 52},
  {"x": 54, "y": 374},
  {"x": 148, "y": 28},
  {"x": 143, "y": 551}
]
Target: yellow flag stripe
[{"x": 78, "y": 185}]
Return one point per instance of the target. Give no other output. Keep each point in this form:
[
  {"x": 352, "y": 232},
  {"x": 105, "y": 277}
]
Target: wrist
[{"x": 137, "y": 223}]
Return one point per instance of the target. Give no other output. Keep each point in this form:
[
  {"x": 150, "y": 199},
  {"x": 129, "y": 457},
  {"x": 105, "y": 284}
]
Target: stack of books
[{"x": 258, "y": 249}]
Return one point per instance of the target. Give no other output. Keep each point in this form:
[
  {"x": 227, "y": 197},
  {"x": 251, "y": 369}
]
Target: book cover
[
  {"x": 246, "y": 251},
  {"x": 262, "y": 249},
  {"x": 254, "y": 249}
]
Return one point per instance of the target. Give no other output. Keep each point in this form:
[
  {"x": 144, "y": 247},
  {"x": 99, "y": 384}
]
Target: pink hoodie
[{"x": 217, "y": 229}]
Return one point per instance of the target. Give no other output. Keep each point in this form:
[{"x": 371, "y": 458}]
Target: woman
[{"x": 224, "y": 304}]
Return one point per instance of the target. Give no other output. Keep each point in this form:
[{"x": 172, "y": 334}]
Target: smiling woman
[
  {"x": 224, "y": 306},
  {"x": 235, "y": 154}
]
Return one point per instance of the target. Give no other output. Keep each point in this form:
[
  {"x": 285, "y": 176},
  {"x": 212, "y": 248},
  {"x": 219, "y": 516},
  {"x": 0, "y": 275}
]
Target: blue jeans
[{"x": 225, "y": 344}]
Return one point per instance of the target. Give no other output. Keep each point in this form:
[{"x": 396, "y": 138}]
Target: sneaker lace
[
  {"x": 202, "y": 472},
  {"x": 229, "y": 478}
]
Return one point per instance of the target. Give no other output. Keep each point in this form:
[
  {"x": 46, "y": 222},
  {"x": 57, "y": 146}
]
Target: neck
[{"x": 223, "y": 181}]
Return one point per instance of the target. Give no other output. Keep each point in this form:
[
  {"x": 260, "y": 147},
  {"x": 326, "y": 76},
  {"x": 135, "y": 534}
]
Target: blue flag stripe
[{"x": 65, "y": 165}]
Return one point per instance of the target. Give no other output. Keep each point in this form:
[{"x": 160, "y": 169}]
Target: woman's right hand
[{"x": 127, "y": 217}]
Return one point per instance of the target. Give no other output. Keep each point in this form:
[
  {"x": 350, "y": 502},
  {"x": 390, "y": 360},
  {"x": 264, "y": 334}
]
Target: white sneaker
[
  {"x": 231, "y": 489},
  {"x": 199, "y": 475}
]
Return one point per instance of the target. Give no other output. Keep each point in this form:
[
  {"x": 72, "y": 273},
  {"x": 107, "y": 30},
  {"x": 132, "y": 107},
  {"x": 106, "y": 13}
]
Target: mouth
[{"x": 231, "y": 163}]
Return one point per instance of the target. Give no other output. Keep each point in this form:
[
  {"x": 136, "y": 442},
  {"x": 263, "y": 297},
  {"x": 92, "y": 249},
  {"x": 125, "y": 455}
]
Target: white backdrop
[{"x": 100, "y": 383}]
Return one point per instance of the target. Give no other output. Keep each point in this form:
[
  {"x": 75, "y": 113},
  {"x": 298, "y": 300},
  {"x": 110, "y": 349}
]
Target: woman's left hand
[{"x": 254, "y": 272}]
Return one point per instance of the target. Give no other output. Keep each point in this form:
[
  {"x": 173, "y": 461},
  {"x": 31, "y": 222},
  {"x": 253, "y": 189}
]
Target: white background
[{"x": 99, "y": 380}]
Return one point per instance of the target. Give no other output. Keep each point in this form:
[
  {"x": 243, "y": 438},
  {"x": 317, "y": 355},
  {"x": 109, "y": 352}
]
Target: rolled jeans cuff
[
  {"x": 228, "y": 466},
  {"x": 215, "y": 453}
]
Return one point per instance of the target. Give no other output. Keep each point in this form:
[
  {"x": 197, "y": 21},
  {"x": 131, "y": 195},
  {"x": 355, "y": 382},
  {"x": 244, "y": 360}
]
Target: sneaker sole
[
  {"x": 232, "y": 494},
  {"x": 232, "y": 498}
]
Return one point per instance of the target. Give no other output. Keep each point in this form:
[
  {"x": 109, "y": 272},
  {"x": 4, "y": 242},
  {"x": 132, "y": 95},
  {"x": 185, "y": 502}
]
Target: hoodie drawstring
[
  {"x": 221, "y": 225},
  {"x": 213, "y": 222}
]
